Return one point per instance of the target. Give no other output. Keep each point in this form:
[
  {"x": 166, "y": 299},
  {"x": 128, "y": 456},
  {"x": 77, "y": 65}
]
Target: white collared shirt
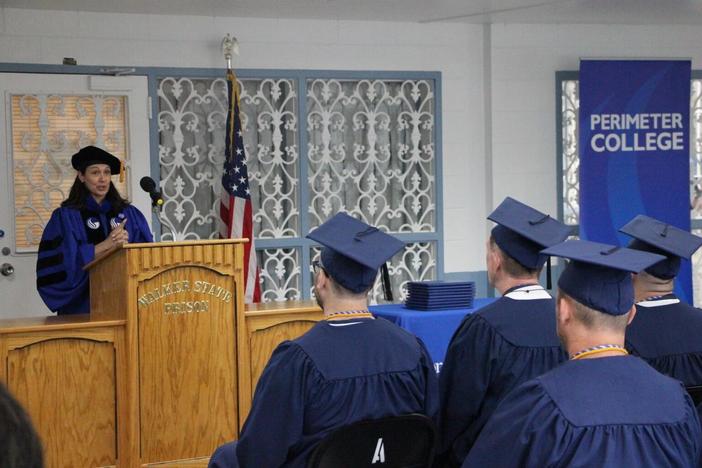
[
  {"x": 528, "y": 293},
  {"x": 657, "y": 302}
]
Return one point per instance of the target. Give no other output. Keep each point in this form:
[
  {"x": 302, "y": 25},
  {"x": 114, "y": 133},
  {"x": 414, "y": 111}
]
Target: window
[
  {"x": 567, "y": 93},
  {"x": 316, "y": 143},
  {"x": 47, "y": 129}
]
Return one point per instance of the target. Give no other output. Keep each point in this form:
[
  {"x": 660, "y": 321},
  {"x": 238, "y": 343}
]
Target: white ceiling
[{"x": 471, "y": 11}]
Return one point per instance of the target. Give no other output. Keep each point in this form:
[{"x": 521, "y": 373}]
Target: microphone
[{"x": 149, "y": 186}]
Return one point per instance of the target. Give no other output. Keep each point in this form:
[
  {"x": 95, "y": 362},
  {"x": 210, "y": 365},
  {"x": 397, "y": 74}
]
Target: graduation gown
[
  {"x": 336, "y": 374},
  {"x": 606, "y": 412},
  {"x": 493, "y": 350},
  {"x": 667, "y": 333},
  {"x": 68, "y": 244}
]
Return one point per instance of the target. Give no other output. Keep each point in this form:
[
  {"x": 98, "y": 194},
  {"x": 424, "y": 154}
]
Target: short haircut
[
  {"x": 595, "y": 320},
  {"x": 512, "y": 267},
  {"x": 20, "y": 446}
]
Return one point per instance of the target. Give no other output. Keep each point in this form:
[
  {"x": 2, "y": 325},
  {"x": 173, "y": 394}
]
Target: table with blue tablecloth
[{"x": 435, "y": 328}]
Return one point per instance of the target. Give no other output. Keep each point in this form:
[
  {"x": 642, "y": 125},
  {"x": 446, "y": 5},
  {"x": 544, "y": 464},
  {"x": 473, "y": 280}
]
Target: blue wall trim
[
  {"x": 439, "y": 172},
  {"x": 10, "y": 67}
]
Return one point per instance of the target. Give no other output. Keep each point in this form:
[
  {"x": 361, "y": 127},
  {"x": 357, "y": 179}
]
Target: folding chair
[{"x": 406, "y": 441}]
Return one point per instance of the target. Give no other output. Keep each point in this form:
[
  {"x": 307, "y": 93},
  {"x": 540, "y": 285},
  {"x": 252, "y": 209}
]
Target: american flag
[{"x": 235, "y": 208}]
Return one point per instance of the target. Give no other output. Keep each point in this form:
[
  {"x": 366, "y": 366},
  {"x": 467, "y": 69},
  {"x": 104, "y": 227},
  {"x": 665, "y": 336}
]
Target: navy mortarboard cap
[
  {"x": 93, "y": 155},
  {"x": 522, "y": 232},
  {"x": 353, "y": 251},
  {"x": 652, "y": 235},
  {"x": 599, "y": 275}
]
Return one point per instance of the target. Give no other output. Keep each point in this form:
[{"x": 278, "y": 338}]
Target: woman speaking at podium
[{"x": 93, "y": 219}]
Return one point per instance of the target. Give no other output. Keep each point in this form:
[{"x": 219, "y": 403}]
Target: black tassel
[{"x": 385, "y": 278}]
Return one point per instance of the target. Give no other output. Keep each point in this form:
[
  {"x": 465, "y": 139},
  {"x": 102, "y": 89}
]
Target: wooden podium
[
  {"x": 183, "y": 304},
  {"x": 163, "y": 369}
]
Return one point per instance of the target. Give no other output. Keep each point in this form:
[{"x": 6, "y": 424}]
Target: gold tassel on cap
[{"x": 121, "y": 171}]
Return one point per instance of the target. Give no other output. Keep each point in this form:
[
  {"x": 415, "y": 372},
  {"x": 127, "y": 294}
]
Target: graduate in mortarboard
[
  {"x": 508, "y": 342},
  {"x": 602, "y": 408},
  {"x": 93, "y": 219},
  {"x": 349, "y": 367},
  {"x": 667, "y": 332}
]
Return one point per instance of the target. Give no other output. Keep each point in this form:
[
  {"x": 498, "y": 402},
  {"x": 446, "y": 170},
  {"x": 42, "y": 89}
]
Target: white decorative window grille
[
  {"x": 371, "y": 152},
  {"x": 46, "y": 131},
  {"x": 369, "y": 149},
  {"x": 696, "y": 149},
  {"x": 191, "y": 119},
  {"x": 570, "y": 160},
  {"x": 280, "y": 274},
  {"x": 570, "y": 103}
]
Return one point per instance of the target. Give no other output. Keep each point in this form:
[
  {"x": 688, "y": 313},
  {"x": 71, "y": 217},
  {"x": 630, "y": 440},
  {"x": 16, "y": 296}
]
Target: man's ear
[
  {"x": 321, "y": 279},
  {"x": 565, "y": 308},
  {"x": 496, "y": 258}
]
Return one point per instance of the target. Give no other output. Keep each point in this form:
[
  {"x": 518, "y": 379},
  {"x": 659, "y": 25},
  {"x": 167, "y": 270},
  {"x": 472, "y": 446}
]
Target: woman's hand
[{"x": 117, "y": 237}]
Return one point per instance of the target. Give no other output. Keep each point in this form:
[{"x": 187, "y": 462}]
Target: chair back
[
  {"x": 406, "y": 441},
  {"x": 696, "y": 393}
]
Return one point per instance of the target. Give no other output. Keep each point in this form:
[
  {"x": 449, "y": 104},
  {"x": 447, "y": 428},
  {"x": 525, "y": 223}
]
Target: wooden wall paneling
[{"x": 67, "y": 383}]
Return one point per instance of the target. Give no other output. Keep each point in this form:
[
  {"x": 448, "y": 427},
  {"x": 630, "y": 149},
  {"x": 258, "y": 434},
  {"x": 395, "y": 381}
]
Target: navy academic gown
[
  {"x": 667, "y": 333},
  {"x": 68, "y": 244},
  {"x": 499, "y": 347},
  {"x": 336, "y": 374},
  {"x": 606, "y": 412}
]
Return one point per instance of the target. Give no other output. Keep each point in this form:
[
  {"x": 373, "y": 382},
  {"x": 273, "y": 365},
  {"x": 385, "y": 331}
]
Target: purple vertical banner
[{"x": 634, "y": 148}]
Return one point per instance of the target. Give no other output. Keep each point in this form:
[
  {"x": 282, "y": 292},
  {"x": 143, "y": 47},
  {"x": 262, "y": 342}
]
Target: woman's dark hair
[{"x": 78, "y": 195}]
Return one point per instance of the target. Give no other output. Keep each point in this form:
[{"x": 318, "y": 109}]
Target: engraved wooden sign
[{"x": 186, "y": 363}]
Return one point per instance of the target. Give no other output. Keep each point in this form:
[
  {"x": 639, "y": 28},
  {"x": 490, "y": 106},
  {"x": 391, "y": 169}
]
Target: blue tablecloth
[{"x": 435, "y": 328}]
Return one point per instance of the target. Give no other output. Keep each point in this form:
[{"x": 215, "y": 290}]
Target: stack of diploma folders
[{"x": 437, "y": 295}]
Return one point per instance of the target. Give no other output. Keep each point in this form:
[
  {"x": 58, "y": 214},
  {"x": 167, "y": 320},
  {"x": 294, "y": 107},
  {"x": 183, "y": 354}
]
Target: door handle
[{"x": 6, "y": 269}]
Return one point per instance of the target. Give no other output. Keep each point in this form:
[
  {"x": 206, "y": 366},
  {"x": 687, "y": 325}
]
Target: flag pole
[{"x": 236, "y": 209}]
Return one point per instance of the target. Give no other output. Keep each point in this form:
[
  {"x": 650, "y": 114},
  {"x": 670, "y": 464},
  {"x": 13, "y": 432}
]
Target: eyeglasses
[{"x": 317, "y": 266}]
